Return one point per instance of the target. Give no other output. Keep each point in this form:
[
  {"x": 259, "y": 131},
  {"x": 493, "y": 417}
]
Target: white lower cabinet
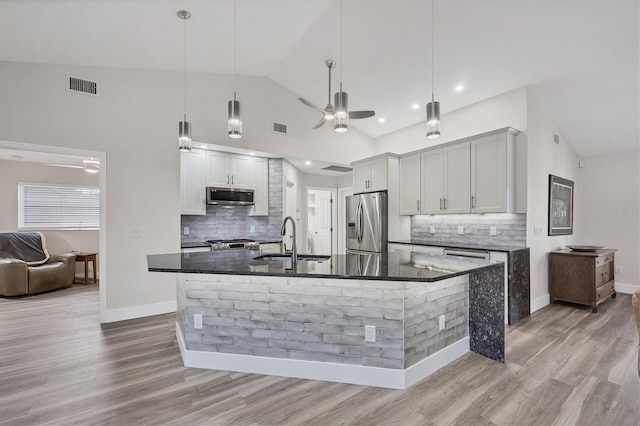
[
  {"x": 195, "y": 249},
  {"x": 192, "y": 183},
  {"x": 395, "y": 247},
  {"x": 271, "y": 248}
]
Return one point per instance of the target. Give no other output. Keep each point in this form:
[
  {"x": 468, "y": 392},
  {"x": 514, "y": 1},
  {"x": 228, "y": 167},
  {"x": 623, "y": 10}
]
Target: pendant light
[
  {"x": 184, "y": 128},
  {"x": 341, "y": 100},
  {"x": 433, "y": 107},
  {"x": 234, "y": 123}
]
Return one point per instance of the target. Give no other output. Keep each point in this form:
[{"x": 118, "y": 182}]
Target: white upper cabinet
[
  {"x": 229, "y": 170},
  {"x": 261, "y": 187},
  {"x": 410, "y": 185},
  {"x": 457, "y": 176},
  {"x": 192, "y": 183},
  {"x": 482, "y": 174},
  {"x": 371, "y": 175},
  {"x": 489, "y": 174}
]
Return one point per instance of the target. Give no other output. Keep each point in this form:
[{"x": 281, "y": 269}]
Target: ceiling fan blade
[
  {"x": 361, "y": 114},
  {"x": 320, "y": 123},
  {"x": 310, "y": 105}
]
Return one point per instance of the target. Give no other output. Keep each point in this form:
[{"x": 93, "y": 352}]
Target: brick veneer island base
[{"x": 260, "y": 316}]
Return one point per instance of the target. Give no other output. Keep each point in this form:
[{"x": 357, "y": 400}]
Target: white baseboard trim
[
  {"x": 331, "y": 372},
  {"x": 540, "y": 302},
  {"x": 626, "y": 288},
  {"x": 113, "y": 315}
]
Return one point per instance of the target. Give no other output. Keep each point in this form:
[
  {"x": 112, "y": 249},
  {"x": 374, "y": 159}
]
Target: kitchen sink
[{"x": 287, "y": 256}]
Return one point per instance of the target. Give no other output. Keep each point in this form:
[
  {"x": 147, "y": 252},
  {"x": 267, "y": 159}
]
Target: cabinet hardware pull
[
  {"x": 228, "y": 181},
  {"x": 445, "y": 203},
  {"x": 473, "y": 202},
  {"x": 441, "y": 208},
  {"x": 418, "y": 205},
  {"x": 231, "y": 179}
]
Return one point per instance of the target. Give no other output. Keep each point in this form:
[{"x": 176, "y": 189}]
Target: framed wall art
[{"x": 560, "y": 206}]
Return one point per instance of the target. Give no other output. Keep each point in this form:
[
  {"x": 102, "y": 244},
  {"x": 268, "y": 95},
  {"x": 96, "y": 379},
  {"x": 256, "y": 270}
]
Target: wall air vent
[
  {"x": 280, "y": 128},
  {"x": 79, "y": 85},
  {"x": 338, "y": 169},
  {"x": 556, "y": 139}
]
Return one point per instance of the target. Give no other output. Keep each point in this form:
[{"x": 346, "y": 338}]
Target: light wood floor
[{"x": 59, "y": 366}]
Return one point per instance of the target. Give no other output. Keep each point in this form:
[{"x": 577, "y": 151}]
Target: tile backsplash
[
  {"x": 234, "y": 221},
  {"x": 511, "y": 229}
]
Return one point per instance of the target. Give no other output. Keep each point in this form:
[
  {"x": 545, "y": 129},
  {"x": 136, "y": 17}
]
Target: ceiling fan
[{"x": 329, "y": 111}]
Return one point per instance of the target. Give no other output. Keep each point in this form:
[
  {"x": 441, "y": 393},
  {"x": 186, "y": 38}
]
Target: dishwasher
[{"x": 473, "y": 253}]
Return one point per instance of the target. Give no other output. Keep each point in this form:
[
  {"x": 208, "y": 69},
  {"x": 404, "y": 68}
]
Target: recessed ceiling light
[
  {"x": 252, "y": 153},
  {"x": 308, "y": 163},
  {"x": 459, "y": 88},
  {"x": 381, "y": 120},
  {"x": 415, "y": 106},
  {"x": 203, "y": 146}
]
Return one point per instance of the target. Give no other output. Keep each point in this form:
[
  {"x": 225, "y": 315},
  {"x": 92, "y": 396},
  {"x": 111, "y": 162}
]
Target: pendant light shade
[
  {"x": 341, "y": 114},
  {"x": 433, "y": 107},
  {"x": 234, "y": 125},
  {"x": 234, "y": 122},
  {"x": 433, "y": 120},
  {"x": 184, "y": 128}
]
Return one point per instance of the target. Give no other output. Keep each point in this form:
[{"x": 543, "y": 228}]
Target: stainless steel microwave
[{"x": 229, "y": 196}]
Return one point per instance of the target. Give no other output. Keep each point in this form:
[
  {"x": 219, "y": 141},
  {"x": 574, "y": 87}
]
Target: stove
[{"x": 233, "y": 244}]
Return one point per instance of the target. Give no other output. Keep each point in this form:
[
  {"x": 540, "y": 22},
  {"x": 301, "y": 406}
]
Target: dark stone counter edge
[
  {"x": 487, "y": 247},
  {"x": 328, "y": 276}
]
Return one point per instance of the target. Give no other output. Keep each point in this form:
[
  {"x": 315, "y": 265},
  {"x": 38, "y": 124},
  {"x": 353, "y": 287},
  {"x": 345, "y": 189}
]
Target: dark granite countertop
[
  {"x": 388, "y": 266},
  {"x": 488, "y": 247}
]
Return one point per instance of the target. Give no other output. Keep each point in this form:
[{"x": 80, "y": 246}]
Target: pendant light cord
[
  {"x": 235, "y": 49},
  {"x": 341, "y": 62},
  {"x": 433, "y": 53},
  {"x": 184, "y": 67}
]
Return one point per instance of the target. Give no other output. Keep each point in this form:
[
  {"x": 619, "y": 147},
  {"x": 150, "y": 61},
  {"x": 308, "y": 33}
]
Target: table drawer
[
  {"x": 604, "y": 259},
  {"x": 605, "y": 290}
]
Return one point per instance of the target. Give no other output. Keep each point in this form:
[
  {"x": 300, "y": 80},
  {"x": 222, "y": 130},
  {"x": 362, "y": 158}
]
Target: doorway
[
  {"x": 290, "y": 209},
  {"x": 321, "y": 221}
]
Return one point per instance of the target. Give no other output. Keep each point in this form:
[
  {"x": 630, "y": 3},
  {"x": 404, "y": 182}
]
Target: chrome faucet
[{"x": 294, "y": 252}]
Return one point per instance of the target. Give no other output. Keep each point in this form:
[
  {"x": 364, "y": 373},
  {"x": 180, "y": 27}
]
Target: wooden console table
[
  {"x": 587, "y": 278},
  {"x": 86, "y": 258}
]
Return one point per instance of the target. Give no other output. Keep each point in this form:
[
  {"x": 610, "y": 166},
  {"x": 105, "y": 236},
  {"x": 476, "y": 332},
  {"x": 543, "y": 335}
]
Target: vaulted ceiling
[{"x": 580, "y": 57}]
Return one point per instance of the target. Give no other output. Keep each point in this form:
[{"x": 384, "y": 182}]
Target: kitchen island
[{"x": 310, "y": 321}]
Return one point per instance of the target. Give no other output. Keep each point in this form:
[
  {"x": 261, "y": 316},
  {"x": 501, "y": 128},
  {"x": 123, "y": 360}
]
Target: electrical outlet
[
  {"x": 460, "y": 230},
  {"x": 619, "y": 269},
  {"x": 197, "y": 321},
  {"x": 537, "y": 230},
  {"x": 252, "y": 229},
  {"x": 136, "y": 233},
  {"x": 432, "y": 229},
  {"x": 492, "y": 230},
  {"x": 185, "y": 230},
  {"x": 441, "y": 323},
  {"x": 369, "y": 333}
]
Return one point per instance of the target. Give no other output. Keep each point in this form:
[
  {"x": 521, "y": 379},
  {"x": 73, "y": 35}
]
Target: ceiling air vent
[
  {"x": 338, "y": 169},
  {"x": 79, "y": 85},
  {"x": 280, "y": 128}
]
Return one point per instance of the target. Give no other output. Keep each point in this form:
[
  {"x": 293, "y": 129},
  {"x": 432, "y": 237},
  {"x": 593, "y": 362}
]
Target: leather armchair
[
  {"x": 635, "y": 299},
  {"x": 19, "y": 277}
]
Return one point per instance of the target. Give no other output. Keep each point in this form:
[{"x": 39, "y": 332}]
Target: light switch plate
[
  {"x": 460, "y": 230},
  {"x": 136, "y": 233},
  {"x": 185, "y": 230},
  {"x": 432, "y": 229},
  {"x": 492, "y": 230},
  {"x": 369, "y": 333},
  {"x": 537, "y": 230},
  {"x": 197, "y": 321}
]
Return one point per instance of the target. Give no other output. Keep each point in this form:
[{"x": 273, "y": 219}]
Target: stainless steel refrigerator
[{"x": 367, "y": 223}]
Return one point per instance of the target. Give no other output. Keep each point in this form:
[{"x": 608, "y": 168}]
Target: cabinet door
[
  {"x": 432, "y": 181},
  {"x": 192, "y": 183},
  {"x": 378, "y": 175},
  {"x": 457, "y": 178},
  {"x": 218, "y": 170},
  {"x": 241, "y": 171},
  {"x": 489, "y": 174},
  {"x": 261, "y": 188},
  {"x": 271, "y": 248},
  {"x": 361, "y": 178},
  {"x": 410, "y": 185}
]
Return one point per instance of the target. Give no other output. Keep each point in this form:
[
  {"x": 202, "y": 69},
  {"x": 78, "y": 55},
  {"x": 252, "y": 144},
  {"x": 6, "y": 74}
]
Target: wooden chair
[{"x": 636, "y": 310}]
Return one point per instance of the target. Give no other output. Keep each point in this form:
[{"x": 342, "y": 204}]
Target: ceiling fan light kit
[
  {"x": 184, "y": 128},
  {"x": 341, "y": 118}
]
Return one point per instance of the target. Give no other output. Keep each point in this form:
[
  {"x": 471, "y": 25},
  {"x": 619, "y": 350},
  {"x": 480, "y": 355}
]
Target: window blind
[{"x": 55, "y": 206}]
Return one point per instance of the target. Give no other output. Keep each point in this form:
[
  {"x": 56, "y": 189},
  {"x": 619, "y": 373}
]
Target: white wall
[
  {"x": 12, "y": 172},
  {"x": 544, "y": 157},
  {"x": 608, "y": 205},
  {"x": 134, "y": 121}
]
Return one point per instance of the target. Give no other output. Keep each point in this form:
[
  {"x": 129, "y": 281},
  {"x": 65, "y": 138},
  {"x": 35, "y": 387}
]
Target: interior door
[
  {"x": 291, "y": 209},
  {"x": 320, "y": 234}
]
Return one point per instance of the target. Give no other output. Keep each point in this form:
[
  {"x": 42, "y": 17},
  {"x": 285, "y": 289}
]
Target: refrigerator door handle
[{"x": 360, "y": 221}]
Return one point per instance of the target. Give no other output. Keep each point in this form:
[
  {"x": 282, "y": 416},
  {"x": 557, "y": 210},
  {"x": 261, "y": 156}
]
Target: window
[{"x": 55, "y": 206}]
